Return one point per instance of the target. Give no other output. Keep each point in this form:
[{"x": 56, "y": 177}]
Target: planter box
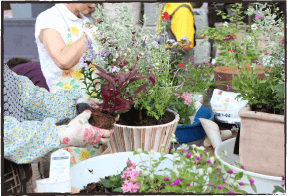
[
  {"x": 261, "y": 147},
  {"x": 130, "y": 138}
]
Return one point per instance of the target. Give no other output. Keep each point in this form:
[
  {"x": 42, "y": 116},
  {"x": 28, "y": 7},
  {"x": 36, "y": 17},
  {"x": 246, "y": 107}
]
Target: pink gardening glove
[{"x": 80, "y": 133}]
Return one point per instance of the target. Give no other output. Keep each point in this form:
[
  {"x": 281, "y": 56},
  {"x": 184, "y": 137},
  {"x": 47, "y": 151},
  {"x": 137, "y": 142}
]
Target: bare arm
[{"x": 64, "y": 56}]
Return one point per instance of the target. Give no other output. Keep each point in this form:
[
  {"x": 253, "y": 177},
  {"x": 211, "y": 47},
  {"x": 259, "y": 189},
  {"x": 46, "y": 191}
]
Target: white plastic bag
[{"x": 226, "y": 107}]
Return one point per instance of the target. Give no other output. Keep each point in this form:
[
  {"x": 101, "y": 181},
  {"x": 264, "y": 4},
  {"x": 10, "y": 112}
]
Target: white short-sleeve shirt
[{"x": 61, "y": 19}]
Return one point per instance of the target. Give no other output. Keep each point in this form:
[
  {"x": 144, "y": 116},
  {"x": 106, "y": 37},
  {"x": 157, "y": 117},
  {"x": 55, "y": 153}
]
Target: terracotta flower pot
[
  {"x": 225, "y": 75},
  {"x": 130, "y": 138},
  {"x": 261, "y": 147}
]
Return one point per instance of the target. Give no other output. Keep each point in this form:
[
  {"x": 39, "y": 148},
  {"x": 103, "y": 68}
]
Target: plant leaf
[
  {"x": 108, "y": 78},
  {"x": 139, "y": 89}
]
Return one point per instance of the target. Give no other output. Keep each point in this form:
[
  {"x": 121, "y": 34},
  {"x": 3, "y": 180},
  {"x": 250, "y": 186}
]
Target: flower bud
[
  {"x": 179, "y": 148},
  {"x": 193, "y": 146},
  {"x": 173, "y": 140},
  {"x": 201, "y": 148},
  {"x": 145, "y": 173},
  {"x": 200, "y": 172},
  {"x": 139, "y": 150},
  {"x": 175, "y": 155},
  {"x": 152, "y": 152},
  {"x": 211, "y": 159},
  {"x": 151, "y": 176},
  {"x": 151, "y": 156},
  {"x": 173, "y": 135},
  {"x": 209, "y": 170}
]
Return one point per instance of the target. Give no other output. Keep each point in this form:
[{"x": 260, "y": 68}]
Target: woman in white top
[{"x": 60, "y": 37}]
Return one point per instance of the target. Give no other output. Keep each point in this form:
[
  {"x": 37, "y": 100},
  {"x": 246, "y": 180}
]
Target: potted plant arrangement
[
  {"x": 126, "y": 53},
  {"x": 184, "y": 171},
  {"x": 262, "y": 120},
  {"x": 236, "y": 42}
]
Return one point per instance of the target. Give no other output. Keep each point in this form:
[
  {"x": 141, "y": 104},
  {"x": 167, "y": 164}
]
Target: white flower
[
  {"x": 209, "y": 170},
  {"x": 197, "y": 154},
  {"x": 173, "y": 140},
  {"x": 114, "y": 60},
  {"x": 151, "y": 156},
  {"x": 179, "y": 149},
  {"x": 176, "y": 172},
  {"x": 175, "y": 155},
  {"x": 152, "y": 162},
  {"x": 139, "y": 150},
  {"x": 225, "y": 24},
  {"x": 173, "y": 135},
  {"x": 254, "y": 27},
  {"x": 152, "y": 152},
  {"x": 211, "y": 160},
  {"x": 193, "y": 146},
  {"x": 200, "y": 172},
  {"x": 201, "y": 148},
  {"x": 151, "y": 176},
  {"x": 145, "y": 173}
]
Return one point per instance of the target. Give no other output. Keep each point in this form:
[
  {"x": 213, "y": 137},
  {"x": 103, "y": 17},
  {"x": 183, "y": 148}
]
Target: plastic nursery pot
[
  {"x": 194, "y": 131},
  {"x": 224, "y": 75},
  {"x": 264, "y": 183}
]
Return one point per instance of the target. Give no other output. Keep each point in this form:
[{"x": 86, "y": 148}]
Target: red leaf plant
[{"x": 112, "y": 92}]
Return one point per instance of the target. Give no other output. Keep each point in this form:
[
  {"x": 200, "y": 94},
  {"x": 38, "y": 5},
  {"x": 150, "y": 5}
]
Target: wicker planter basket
[{"x": 130, "y": 138}]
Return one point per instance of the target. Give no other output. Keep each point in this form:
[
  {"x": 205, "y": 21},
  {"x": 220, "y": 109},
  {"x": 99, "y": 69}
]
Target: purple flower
[
  {"x": 170, "y": 41},
  {"x": 219, "y": 187},
  {"x": 175, "y": 67},
  {"x": 251, "y": 181},
  {"x": 204, "y": 152},
  {"x": 122, "y": 49},
  {"x": 203, "y": 79},
  {"x": 211, "y": 184},
  {"x": 207, "y": 161},
  {"x": 185, "y": 69},
  {"x": 188, "y": 155},
  {"x": 187, "y": 184},
  {"x": 203, "y": 62},
  {"x": 165, "y": 179},
  {"x": 197, "y": 158},
  {"x": 283, "y": 177},
  {"x": 227, "y": 87},
  {"x": 183, "y": 150},
  {"x": 184, "y": 38},
  {"x": 114, "y": 69},
  {"x": 88, "y": 59},
  {"x": 84, "y": 65},
  {"x": 230, "y": 171},
  {"x": 176, "y": 182},
  {"x": 241, "y": 183},
  {"x": 131, "y": 42},
  {"x": 175, "y": 43},
  {"x": 231, "y": 192},
  {"x": 242, "y": 166},
  {"x": 82, "y": 60},
  {"x": 191, "y": 58},
  {"x": 257, "y": 16},
  {"x": 223, "y": 179},
  {"x": 228, "y": 37},
  {"x": 196, "y": 162}
]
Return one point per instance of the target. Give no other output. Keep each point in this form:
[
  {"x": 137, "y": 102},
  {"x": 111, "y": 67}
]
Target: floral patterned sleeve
[
  {"x": 40, "y": 104},
  {"x": 29, "y": 141}
]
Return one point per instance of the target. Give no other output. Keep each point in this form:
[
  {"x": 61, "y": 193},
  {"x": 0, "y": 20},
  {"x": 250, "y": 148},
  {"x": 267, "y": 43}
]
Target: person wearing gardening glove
[
  {"x": 181, "y": 26},
  {"x": 30, "y": 131}
]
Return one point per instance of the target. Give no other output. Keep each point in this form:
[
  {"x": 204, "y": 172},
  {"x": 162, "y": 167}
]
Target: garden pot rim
[
  {"x": 156, "y": 126},
  {"x": 236, "y": 72},
  {"x": 245, "y": 112},
  {"x": 239, "y": 169}
]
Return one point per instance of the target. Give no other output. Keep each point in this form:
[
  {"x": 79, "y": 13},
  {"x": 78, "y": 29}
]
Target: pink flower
[
  {"x": 241, "y": 183},
  {"x": 183, "y": 150},
  {"x": 165, "y": 179},
  {"x": 230, "y": 171},
  {"x": 187, "y": 184},
  {"x": 223, "y": 180},
  {"x": 196, "y": 162},
  {"x": 188, "y": 155},
  {"x": 231, "y": 192},
  {"x": 219, "y": 187},
  {"x": 211, "y": 184},
  {"x": 282, "y": 185},
  {"x": 257, "y": 16},
  {"x": 198, "y": 158},
  {"x": 242, "y": 167},
  {"x": 204, "y": 152},
  {"x": 283, "y": 178},
  {"x": 252, "y": 182},
  {"x": 65, "y": 140},
  {"x": 207, "y": 161}
]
